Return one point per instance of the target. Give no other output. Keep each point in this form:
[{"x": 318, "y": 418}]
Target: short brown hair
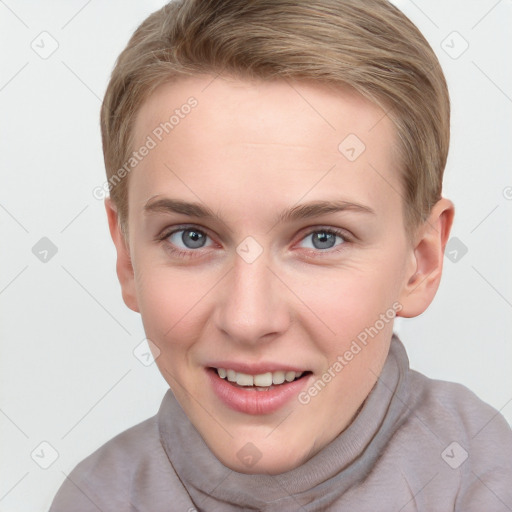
[{"x": 369, "y": 45}]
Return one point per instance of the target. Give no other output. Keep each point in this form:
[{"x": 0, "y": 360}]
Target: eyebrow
[{"x": 299, "y": 212}]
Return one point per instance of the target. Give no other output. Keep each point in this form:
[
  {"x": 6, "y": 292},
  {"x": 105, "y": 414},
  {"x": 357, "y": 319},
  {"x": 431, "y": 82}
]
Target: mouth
[
  {"x": 256, "y": 394},
  {"x": 260, "y": 382}
]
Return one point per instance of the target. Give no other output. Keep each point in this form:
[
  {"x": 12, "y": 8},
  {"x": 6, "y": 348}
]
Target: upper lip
[{"x": 255, "y": 368}]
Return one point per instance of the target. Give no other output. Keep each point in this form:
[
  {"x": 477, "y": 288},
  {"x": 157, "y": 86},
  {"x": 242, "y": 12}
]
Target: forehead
[
  {"x": 253, "y": 105},
  {"x": 268, "y": 135}
]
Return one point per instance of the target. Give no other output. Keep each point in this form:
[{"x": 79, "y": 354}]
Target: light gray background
[{"x": 68, "y": 373}]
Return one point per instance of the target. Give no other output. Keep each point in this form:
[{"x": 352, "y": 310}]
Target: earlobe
[
  {"x": 422, "y": 283},
  {"x": 124, "y": 267}
]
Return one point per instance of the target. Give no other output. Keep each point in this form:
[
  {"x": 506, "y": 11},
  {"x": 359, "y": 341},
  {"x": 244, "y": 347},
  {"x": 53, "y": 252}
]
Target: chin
[
  {"x": 268, "y": 468},
  {"x": 260, "y": 464}
]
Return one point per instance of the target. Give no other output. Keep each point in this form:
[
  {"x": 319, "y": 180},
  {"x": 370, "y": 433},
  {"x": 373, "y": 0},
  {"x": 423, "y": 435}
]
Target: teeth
[
  {"x": 278, "y": 377},
  {"x": 263, "y": 380},
  {"x": 289, "y": 376},
  {"x": 242, "y": 379}
]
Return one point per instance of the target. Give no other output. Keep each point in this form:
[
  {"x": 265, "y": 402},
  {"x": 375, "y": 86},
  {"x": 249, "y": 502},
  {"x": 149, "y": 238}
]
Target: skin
[{"x": 249, "y": 151}]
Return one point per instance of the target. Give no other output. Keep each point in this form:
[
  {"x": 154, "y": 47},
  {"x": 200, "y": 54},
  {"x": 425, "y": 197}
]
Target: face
[{"x": 264, "y": 240}]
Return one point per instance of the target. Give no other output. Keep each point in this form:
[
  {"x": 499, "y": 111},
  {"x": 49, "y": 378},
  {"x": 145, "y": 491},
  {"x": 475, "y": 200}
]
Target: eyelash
[{"x": 190, "y": 253}]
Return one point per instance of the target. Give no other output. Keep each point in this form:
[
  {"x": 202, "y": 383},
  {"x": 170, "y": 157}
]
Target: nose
[{"x": 252, "y": 307}]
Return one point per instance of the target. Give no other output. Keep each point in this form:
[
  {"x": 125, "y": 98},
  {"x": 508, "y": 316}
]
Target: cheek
[
  {"x": 170, "y": 306},
  {"x": 346, "y": 301}
]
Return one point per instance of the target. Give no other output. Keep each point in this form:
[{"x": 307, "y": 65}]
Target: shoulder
[
  {"x": 468, "y": 441},
  {"x": 125, "y": 450},
  {"x": 106, "y": 477},
  {"x": 453, "y": 409}
]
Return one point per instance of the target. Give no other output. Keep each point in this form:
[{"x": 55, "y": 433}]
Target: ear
[
  {"x": 423, "y": 281},
  {"x": 124, "y": 266}
]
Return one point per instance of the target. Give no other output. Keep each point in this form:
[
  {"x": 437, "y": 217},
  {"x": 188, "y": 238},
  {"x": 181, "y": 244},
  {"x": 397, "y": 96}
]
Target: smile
[
  {"x": 262, "y": 393},
  {"x": 260, "y": 382}
]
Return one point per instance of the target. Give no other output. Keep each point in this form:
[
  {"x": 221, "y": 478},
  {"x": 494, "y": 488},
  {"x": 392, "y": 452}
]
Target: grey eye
[
  {"x": 322, "y": 240},
  {"x": 189, "y": 238}
]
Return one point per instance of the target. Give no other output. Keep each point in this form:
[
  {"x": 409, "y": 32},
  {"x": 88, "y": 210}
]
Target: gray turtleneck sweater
[{"x": 417, "y": 444}]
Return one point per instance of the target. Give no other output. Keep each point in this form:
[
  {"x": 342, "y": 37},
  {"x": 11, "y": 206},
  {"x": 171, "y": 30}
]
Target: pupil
[
  {"x": 193, "y": 239},
  {"x": 323, "y": 240}
]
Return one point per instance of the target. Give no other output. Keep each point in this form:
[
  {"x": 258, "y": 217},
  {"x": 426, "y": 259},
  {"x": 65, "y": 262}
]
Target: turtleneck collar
[{"x": 328, "y": 474}]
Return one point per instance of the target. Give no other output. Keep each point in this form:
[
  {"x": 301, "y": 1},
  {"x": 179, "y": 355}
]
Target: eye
[
  {"x": 189, "y": 238},
  {"x": 322, "y": 239}
]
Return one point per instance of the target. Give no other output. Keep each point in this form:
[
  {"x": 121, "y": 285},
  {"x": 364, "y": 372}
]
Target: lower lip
[{"x": 255, "y": 402}]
